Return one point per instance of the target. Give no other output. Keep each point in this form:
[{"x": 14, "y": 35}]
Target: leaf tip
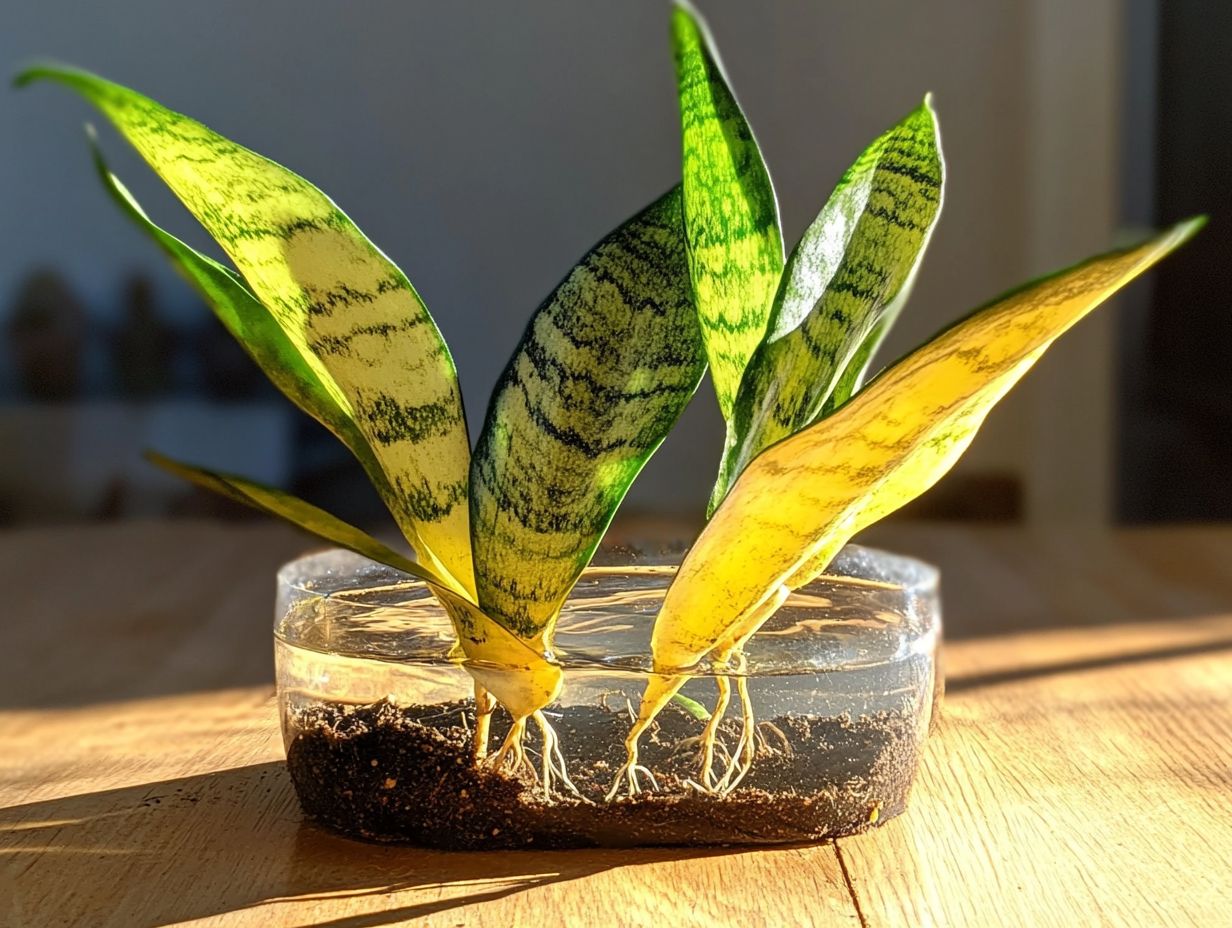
[
  {"x": 1178, "y": 234},
  {"x": 27, "y": 75},
  {"x": 689, "y": 26},
  {"x": 686, "y": 8},
  {"x": 167, "y": 465},
  {"x": 96, "y": 151},
  {"x": 693, "y": 707},
  {"x": 1188, "y": 228},
  {"x": 44, "y": 71},
  {"x": 83, "y": 82},
  {"x": 927, "y": 111},
  {"x": 200, "y": 476}
]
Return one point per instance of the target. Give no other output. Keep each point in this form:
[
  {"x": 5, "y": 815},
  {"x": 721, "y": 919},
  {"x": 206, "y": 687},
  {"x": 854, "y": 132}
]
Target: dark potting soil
[{"x": 388, "y": 773}]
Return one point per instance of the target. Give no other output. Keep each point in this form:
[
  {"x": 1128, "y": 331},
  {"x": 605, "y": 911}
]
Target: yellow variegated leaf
[
  {"x": 927, "y": 464},
  {"x": 257, "y": 331},
  {"x": 606, "y": 366},
  {"x": 846, "y": 280},
  {"x": 799, "y": 501},
  {"x": 348, "y": 311},
  {"x": 731, "y": 217},
  {"x": 522, "y": 679}
]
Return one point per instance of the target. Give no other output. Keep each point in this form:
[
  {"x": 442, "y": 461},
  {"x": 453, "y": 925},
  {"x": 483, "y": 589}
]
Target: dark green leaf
[
  {"x": 843, "y": 285},
  {"x": 606, "y": 366}
]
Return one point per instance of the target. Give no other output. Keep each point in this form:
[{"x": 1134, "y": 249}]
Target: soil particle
[{"x": 388, "y": 773}]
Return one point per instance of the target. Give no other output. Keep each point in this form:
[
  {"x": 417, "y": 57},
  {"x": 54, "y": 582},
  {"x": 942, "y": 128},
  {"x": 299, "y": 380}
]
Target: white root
[
  {"x": 746, "y": 747},
  {"x": 553, "y": 760},
  {"x": 511, "y": 749},
  {"x": 711, "y": 733},
  {"x": 552, "y": 772},
  {"x": 627, "y": 777},
  {"x": 660, "y": 688},
  {"x": 740, "y": 760}
]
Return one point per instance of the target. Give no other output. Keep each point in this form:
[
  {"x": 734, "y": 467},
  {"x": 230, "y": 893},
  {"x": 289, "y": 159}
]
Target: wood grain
[{"x": 1080, "y": 774}]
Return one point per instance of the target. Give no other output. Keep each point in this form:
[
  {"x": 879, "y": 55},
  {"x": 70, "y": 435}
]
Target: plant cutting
[{"x": 487, "y": 687}]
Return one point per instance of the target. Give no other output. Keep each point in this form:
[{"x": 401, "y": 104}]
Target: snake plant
[
  {"x": 812, "y": 455},
  {"x": 607, "y": 363}
]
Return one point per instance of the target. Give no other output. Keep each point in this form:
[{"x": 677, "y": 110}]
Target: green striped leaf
[
  {"x": 254, "y": 327},
  {"x": 735, "y": 246},
  {"x": 606, "y": 366},
  {"x": 258, "y": 332},
  {"x": 299, "y": 513},
  {"x": 243, "y": 315},
  {"x": 351, "y": 315},
  {"x": 852, "y": 376},
  {"x": 800, "y": 500},
  {"x": 843, "y": 285}
]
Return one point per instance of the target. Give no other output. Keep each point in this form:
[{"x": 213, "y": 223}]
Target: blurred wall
[{"x": 485, "y": 146}]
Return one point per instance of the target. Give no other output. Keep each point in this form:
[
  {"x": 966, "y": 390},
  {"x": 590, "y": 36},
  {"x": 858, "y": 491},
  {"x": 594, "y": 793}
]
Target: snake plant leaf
[
  {"x": 351, "y": 314},
  {"x": 842, "y": 286},
  {"x": 299, "y": 513},
  {"x": 521, "y": 678},
  {"x": 254, "y": 327},
  {"x": 243, "y": 315},
  {"x": 257, "y": 331},
  {"x": 735, "y": 246},
  {"x": 607, "y": 364},
  {"x": 852, "y": 376},
  {"x": 799, "y": 501}
]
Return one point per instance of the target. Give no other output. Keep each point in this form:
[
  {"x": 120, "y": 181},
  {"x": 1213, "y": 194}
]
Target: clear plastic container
[{"x": 839, "y": 688}]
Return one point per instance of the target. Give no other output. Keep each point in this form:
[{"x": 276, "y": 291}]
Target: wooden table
[{"x": 1081, "y": 775}]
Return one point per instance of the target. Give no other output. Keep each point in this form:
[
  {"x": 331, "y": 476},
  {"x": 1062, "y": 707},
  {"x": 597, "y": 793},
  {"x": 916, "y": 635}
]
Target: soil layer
[{"x": 389, "y": 773}]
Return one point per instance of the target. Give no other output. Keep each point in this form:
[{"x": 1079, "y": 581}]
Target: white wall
[{"x": 486, "y": 145}]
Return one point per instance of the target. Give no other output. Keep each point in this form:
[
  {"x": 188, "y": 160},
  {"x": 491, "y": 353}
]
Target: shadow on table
[
  {"x": 979, "y": 681},
  {"x": 179, "y": 850}
]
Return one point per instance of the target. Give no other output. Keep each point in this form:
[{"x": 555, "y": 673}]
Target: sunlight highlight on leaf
[
  {"x": 257, "y": 331},
  {"x": 843, "y": 285},
  {"x": 731, "y": 218},
  {"x": 801, "y": 500},
  {"x": 351, "y": 315}
]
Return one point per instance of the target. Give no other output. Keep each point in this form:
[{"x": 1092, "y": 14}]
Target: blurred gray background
[{"x": 485, "y": 146}]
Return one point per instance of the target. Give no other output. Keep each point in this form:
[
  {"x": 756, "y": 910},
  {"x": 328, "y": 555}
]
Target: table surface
[{"x": 1080, "y": 774}]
